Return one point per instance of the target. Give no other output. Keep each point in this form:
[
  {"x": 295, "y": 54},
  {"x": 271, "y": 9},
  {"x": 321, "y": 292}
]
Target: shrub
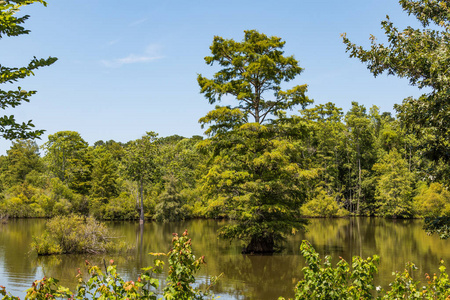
[
  {"x": 433, "y": 200},
  {"x": 121, "y": 208},
  {"x": 16, "y": 207},
  {"x": 323, "y": 205},
  {"x": 326, "y": 282},
  {"x": 172, "y": 207},
  {"x": 74, "y": 234},
  {"x": 46, "y": 203},
  {"x": 182, "y": 267}
]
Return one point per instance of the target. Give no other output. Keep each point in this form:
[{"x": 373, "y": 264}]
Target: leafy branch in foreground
[
  {"x": 323, "y": 281},
  {"x": 11, "y": 25}
]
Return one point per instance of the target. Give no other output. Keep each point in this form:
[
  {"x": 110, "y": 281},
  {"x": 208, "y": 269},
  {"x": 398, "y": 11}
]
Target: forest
[{"x": 362, "y": 162}]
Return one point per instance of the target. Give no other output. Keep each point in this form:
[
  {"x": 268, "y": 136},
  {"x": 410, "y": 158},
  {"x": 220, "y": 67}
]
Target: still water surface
[{"x": 244, "y": 277}]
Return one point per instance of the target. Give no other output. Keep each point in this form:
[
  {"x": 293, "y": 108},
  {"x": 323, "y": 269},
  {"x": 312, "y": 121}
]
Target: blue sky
[{"x": 125, "y": 68}]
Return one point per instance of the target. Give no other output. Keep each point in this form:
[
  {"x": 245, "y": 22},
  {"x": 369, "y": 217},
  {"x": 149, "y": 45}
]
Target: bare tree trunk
[
  {"x": 141, "y": 191},
  {"x": 359, "y": 180}
]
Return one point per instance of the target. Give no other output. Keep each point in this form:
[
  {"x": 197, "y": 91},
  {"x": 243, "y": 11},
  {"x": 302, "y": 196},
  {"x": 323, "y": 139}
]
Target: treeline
[{"x": 362, "y": 162}]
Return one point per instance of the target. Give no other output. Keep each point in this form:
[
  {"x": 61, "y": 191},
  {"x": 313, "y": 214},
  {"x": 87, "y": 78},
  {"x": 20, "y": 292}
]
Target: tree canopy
[
  {"x": 423, "y": 57},
  {"x": 251, "y": 70}
]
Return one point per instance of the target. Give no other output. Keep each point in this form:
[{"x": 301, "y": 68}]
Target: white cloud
[
  {"x": 113, "y": 42},
  {"x": 151, "y": 53},
  {"x": 137, "y": 22}
]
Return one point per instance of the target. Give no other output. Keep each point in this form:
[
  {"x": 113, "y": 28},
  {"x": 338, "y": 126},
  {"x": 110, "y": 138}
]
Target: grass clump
[{"x": 75, "y": 234}]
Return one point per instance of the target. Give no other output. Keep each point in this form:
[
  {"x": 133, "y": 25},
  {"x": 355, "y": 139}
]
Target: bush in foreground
[{"x": 323, "y": 281}]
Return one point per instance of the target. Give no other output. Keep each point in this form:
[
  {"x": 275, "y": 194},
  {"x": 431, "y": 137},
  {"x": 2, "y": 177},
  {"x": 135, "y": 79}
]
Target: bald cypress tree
[{"x": 254, "y": 176}]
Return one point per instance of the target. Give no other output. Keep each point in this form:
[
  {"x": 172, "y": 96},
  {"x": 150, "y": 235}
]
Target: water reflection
[{"x": 245, "y": 277}]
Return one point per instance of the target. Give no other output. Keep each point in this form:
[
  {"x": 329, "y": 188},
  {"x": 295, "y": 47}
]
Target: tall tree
[
  {"x": 23, "y": 157},
  {"x": 140, "y": 165},
  {"x": 253, "y": 174},
  {"x": 11, "y": 25},
  {"x": 324, "y": 137},
  {"x": 66, "y": 158},
  {"x": 104, "y": 175},
  {"x": 361, "y": 140}
]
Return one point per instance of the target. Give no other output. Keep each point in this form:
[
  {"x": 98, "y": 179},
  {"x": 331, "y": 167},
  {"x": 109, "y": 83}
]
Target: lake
[{"x": 244, "y": 276}]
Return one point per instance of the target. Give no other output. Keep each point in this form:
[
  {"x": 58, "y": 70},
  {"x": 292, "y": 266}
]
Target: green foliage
[
  {"x": 122, "y": 207},
  {"x": 182, "y": 267},
  {"x": 11, "y": 25},
  {"x": 323, "y": 205},
  {"x": 323, "y": 281},
  {"x": 65, "y": 199},
  {"x": 341, "y": 282},
  {"x": 74, "y": 234},
  {"x": 104, "y": 176},
  {"x": 25, "y": 200},
  {"x": 361, "y": 154},
  {"x": 22, "y": 158},
  {"x": 422, "y": 56},
  {"x": 65, "y": 155},
  {"x": 394, "y": 186},
  {"x": 178, "y": 158},
  {"x": 172, "y": 205},
  {"x": 323, "y": 143},
  {"x": 255, "y": 177},
  {"x": 438, "y": 225},
  {"x": 17, "y": 207},
  {"x": 432, "y": 200},
  {"x": 46, "y": 288},
  {"x": 112, "y": 286},
  {"x": 140, "y": 164},
  {"x": 37, "y": 179},
  {"x": 140, "y": 159},
  {"x": 251, "y": 70}
]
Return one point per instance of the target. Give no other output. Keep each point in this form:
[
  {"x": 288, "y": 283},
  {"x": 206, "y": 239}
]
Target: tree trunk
[
  {"x": 260, "y": 245},
  {"x": 141, "y": 190},
  {"x": 359, "y": 180}
]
